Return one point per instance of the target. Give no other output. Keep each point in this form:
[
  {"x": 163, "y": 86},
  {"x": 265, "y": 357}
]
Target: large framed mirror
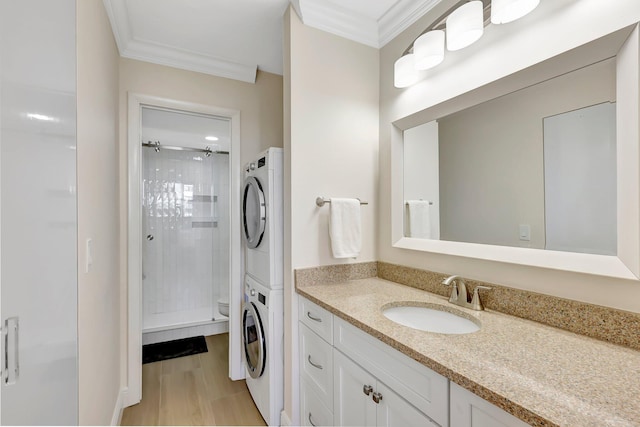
[{"x": 538, "y": 168}]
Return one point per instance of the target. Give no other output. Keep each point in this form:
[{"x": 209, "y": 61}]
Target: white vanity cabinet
[
  {"x": 348, "y": 377},
  {"x": 360, "y": 399},
  {"x": 408, "y": 393},
  {"x": 470, "y": 410}
]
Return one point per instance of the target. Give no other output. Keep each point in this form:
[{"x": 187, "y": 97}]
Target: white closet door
[{"x": 38, "y": 212}]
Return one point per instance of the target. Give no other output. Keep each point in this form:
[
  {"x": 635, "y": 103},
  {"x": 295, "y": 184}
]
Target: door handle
[
  {"x": 377, "y": 397},
  {"x": 367, "y": 389},
  {"x": 11, "y": 356}
]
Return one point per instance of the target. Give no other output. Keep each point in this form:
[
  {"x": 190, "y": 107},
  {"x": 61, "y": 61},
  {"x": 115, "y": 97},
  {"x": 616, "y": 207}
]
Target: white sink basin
[{"x": 431, "y": 320}]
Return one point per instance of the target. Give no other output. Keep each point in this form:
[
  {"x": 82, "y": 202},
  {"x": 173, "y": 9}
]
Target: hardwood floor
[{"x": 193, "y": 390}]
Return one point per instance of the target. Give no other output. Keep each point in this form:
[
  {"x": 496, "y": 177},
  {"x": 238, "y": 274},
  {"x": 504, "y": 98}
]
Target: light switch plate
[{"x": 525, "y": 232}]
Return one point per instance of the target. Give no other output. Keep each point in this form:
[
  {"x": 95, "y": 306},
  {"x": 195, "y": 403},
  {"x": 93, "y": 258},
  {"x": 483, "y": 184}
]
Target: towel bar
[
  {"x": 407, "y": 203},
  {"x": 320, "y": 201}
]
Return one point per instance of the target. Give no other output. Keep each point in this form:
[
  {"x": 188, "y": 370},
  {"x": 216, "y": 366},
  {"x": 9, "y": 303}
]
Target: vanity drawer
[
  {"x": 317, "y": 364},
  {"x": 316, "y": 318},
  {"x": 419, "y": 385},
  {"x": 312, "y": 411}
]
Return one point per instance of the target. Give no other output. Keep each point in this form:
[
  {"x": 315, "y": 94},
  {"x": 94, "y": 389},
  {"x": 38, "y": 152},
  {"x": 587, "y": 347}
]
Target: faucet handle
[
  {"x": 476, "y": 304},
  {"x": 452, "y": 281}
]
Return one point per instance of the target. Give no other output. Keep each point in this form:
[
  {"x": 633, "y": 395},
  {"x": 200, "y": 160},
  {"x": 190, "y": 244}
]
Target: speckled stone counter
[{"x": 543, "y": 375}]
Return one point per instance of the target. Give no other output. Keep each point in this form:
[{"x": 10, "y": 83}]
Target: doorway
[
  {"x": 181, "y": 193},
  {"x": 185, "y": 224}
]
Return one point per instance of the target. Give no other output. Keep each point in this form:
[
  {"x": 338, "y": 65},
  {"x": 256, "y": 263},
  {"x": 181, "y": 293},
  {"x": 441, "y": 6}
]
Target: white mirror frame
[{"x": 626, "y": 264}]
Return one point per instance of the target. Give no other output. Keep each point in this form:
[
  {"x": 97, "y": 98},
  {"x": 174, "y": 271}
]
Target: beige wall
[
  {"x": 554, "y": 28},
  {"x": 260, "y": 107},
  {"x": 97, "y": 158},
  {"x": 332, "y": 151}
]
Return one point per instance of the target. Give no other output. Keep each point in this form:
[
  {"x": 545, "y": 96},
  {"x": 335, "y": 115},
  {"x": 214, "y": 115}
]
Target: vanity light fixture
[
  {"x": 504, "y": 11},
  {"x": 460, "y": 26},
  {"x": 465, "y": 25}
]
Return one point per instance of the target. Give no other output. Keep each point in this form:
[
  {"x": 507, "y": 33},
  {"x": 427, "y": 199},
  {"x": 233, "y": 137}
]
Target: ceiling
[{"x": 235, "y": 38}]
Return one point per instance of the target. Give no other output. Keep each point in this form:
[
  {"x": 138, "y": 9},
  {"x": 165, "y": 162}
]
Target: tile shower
[{"x": 185, "y": 225}]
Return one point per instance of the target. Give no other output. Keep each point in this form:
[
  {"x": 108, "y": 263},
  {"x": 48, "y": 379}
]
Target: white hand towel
[
  {"x": 345, "y": 228},
  {"x": 419, "y": 219}
]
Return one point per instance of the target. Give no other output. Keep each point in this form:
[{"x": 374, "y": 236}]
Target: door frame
[{"x": 133, "y": 388}]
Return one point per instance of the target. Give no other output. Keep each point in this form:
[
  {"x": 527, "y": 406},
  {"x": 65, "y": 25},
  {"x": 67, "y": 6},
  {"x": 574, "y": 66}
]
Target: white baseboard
[
  {"x": 116, "y": 418},
  {"x": 284, "y": 419}
]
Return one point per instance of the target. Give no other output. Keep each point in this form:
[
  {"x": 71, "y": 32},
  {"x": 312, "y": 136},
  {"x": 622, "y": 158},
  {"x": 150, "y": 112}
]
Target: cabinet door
[
  {"x": 470, "y": 410},
  {"x": 352, "y": 405},
  {"x": 312, "y": 411},
  {"x": 38, "y": 213},
  {"x": 395, "y": 411}
]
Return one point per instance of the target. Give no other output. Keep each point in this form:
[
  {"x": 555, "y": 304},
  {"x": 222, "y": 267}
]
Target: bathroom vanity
[{"x": 357, "y": 367}]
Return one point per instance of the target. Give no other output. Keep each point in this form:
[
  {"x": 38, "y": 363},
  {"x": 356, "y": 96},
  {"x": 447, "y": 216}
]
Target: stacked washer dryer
[{"x": 263, "y": 309}]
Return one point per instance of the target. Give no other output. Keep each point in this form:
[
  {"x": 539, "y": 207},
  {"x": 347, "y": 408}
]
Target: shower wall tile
[{"x": 186, "y": 263}]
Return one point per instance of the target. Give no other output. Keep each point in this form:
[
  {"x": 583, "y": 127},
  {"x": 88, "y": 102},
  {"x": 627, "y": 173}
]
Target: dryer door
[
  {"x": 254, "y": 212},
  {"x": 253, "y": 339}
]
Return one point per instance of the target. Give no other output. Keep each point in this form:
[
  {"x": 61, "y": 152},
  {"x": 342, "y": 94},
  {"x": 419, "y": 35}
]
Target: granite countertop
[{"x": 542, "y": 375}]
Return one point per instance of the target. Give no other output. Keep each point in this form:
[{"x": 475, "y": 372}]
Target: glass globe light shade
[
  {"x": 465, "y": 25},
  {"x": 428, "y": 50},
  {"x": 404, "y": 72},
  {"x": 504, "y": 11}
]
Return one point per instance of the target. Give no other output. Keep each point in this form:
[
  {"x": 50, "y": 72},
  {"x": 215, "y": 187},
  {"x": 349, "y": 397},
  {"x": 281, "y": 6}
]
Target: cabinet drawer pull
[
  {"x": 310, "y": 420},
  {"x": 315, "y": 365},
  {"x": 367, "y": 389},
  {"x": 316, "y": 319},
  {"x": 377, "y": 397}
]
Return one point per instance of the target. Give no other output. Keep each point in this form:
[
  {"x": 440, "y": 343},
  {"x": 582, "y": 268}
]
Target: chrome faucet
[{"x": 460, "y": 295}]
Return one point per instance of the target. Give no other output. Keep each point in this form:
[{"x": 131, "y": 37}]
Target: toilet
[{"x": 223, "y": 306}]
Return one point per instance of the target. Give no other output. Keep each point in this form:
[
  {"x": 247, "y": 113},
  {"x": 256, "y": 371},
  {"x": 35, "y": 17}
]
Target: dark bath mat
[{"x": 172, "y": 349}]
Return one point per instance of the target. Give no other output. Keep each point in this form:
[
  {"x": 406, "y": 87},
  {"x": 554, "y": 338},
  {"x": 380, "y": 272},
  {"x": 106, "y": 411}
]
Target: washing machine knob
[
  {"x": 253, "y": 292},
  {"x": 252, "y": 166}
]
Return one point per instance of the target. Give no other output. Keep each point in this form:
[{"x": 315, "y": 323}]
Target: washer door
[
  {"x": 255, "y": 346},
  {"x": 254, "y": 212}
]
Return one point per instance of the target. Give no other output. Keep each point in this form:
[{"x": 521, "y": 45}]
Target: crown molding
[
  {"x": 130, "y": 47},
  {"x": 346, "y": 23},
  {"x": 401, "y": 16},
  {"x": 339, "y": 21}
]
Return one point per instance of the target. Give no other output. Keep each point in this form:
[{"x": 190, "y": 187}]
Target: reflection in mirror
[{"x": 535, "y": 168}]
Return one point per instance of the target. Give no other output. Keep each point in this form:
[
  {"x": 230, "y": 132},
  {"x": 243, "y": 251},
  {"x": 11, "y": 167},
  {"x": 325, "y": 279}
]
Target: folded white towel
[
  {"x": 345, "y": 228},
  {"x": 419, "y": 219}
]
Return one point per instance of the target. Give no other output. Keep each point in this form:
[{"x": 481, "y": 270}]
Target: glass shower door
[{"x": 178, "y": 211}]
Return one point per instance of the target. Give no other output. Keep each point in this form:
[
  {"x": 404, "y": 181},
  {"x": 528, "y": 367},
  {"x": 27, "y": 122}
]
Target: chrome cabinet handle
[
  {"x": 317, "y": 319},
  {"x": 310, "y": 420},
  {"x": 377, "y": 397},
  {"x": 11, "y": 368},
  {"x": 315, "y": 365},
  {"x": 367, "y": 389}
]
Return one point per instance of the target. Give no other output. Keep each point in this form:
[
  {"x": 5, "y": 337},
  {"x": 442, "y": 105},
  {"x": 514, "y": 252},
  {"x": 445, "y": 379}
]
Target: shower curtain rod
[{"x": 156, "y": 145}]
